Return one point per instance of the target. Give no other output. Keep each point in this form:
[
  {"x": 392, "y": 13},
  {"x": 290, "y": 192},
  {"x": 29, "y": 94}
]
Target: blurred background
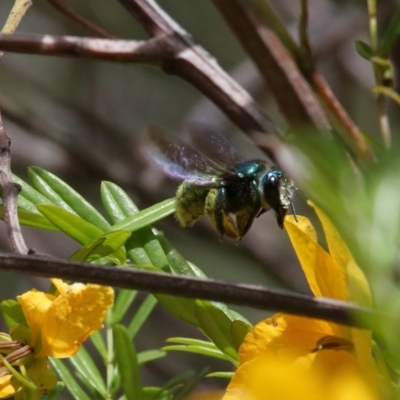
[{"x": 83, "y": 120}]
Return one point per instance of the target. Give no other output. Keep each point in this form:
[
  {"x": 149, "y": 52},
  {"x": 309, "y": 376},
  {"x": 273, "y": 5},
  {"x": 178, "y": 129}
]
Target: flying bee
[{"x": 219, "y": 182}]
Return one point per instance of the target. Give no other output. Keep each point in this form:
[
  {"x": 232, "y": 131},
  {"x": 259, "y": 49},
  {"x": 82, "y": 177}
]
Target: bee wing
[
  {"x": 180, "y": 160},
  {"x": 213, "y": 143}
]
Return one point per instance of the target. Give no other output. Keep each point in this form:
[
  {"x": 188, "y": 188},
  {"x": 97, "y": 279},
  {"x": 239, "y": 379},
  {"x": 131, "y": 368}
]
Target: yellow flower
[
  {"x": 6, "y": 388},
  {"x": 60, "y": 323},
  {"x": 291, "y": 357},
  {"x": 56, "y": 327}
]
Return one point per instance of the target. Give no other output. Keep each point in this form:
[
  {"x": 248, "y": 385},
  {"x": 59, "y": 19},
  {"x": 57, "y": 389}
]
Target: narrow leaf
[
  {"x": 34, "y": 220},
  {"x": 389, "y": 37},
  {"x": 364, "y": 49},
  {"x": 98, "y": 343},
  {"x": 102, "y": 246},
  {"x": 123, "y": 301},
  {"x": 150, "y": 355},
  {"x": 239, "y": 330},
  {"x": 76, "y": 228},
  {"x": 70, "y": 382},
  {"x": 128, "y": 367},
  {"x": 28, "y": 196},
  {"x": 141, "y": 315},
  {"x": 55, "y": 393},
  {"x": 217, "y": 326},
  {"x": 61, "y": 194},
  {"x": 12, "y": 313},
  {"x": 83, "y": 363},
  {"x": 224, "y": 375},
  {"x": 116, "y": 202},
  {"x": 147, "y": 216}
]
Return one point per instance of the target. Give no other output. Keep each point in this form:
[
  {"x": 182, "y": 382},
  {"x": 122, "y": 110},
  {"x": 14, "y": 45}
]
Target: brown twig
[
  {"x": 172, "y": 52},
  {"x": 292, "y": 92},
  {"x": 290, "y": 81},
  {"x": 192, "y": 63},
  {"x": 10, "y": 192},
  {"x": 74, "y": 16},
  {"x": 191, "y": 287}
]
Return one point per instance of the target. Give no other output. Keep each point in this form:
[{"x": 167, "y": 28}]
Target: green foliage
[{"x": 49, "y": 203}]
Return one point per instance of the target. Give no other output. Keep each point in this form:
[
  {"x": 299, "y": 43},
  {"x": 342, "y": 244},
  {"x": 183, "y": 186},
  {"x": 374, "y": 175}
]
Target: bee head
[{"x": 276, "y": 193}]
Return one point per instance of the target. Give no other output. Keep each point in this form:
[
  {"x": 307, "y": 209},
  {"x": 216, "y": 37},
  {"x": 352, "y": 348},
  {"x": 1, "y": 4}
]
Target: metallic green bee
[{"x": 219, "y": 182}]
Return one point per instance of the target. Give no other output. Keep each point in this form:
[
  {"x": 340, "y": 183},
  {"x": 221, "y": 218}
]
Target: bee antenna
[{"x": 293, "y": 211}]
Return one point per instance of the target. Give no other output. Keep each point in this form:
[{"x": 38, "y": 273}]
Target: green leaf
[
  {"x": 224, "y": 375},
  {"x": 90, "y": 375},
  {"x": 179, "y": 307},
  {"x": 150, "y": 355},
  {"x": 217, "y": 326},
  {"x": 178, "y": 264},
  {"x": 203, "y": 347},
  {"x": 128, "y": 367},
  {"x": 76, "y": 228},
  {"x": 154, "y": 393},
  {"x": 62, "y": 195},
  {"x": 141, "y": 315},
  {"x": 12, "y": 313},
  {"x": 55, "y": 392},
  {"x": 239, "y": 330},
  {"x": 185, "y": 390},
  {"x": 116, "y": 202},
  {"x": 98, "y": 343},
  {"x": 389, "y": 37},
  {"x": 28, "y": 197},
  {"x": 123, "y": 301},
  {"x": 70, "y": 382},
  {"x": 72, "y": 225},
  {"x": 102, "y": 246},
  {"x": 35, "y": 220},
  {"x": 364, "y": 49},
  {"x": 147, "y": 216}
]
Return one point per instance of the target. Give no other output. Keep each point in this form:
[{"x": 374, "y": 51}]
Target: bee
[{"x": 219, "y": 182}]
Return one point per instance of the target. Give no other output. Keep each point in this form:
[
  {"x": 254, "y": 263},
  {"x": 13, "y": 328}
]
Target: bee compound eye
[{"x": 271, "y": 182}]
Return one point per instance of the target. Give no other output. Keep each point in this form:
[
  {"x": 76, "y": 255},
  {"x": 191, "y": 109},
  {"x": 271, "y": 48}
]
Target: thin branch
[
  {"x": 9, "y": 188},
  {"x": 14, "y": 18},
  {"x": 275, "y": 64},
  {"x": 10, "y": 192},
  {"x": 191, "y": 287},
  {"x": 193, "y": 64},
  {"x": 151, "y": 52},
  {"x": 175, "y": 54},
  {"x": 74, "y": 16},
  {"x": 285, "y": 79}
]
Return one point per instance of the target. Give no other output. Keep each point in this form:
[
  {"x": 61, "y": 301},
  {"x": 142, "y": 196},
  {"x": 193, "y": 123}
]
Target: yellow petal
[
  {"x": 6, "y": 389},
  {"x": 286, "y": 336},
  {"x": 358, "y": 290},
  {"x": 333, "y": 376},
  {"x": 325, "y": 277},
  {"x": 75, "y": 314},
  {"x": 34, "y": 306}
]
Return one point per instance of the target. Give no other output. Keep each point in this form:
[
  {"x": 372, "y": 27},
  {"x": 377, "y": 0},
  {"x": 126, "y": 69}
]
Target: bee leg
[
  {"x": 214, "y": 208},
  {"x": 244, "y": 222}
]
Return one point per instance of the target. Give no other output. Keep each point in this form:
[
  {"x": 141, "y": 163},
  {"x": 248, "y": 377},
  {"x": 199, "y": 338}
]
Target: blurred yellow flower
[
  {"x": 6, "y": 388},
  {"x": 60, "y": 323},
  {"x": 291, "y": 357}
]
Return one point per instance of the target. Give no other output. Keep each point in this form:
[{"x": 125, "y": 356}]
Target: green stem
[
  {"x": 381, "y": 101},
  {"x": 110, "y": 355}
]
